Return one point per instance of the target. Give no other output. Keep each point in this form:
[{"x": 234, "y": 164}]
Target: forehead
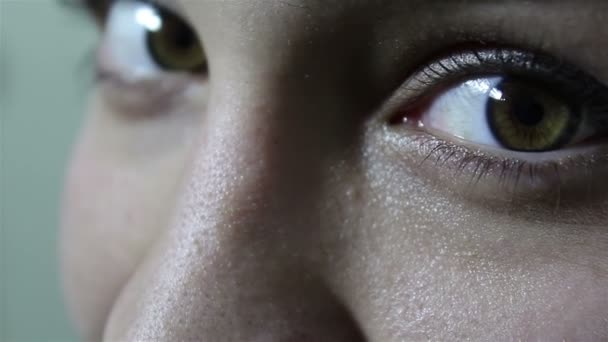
[
  {"x": 377, "y": 10},
  {"x": 389, "y": 31},
  {"x": 307, "y": 8},
  {"x": 331, "y": 6}
]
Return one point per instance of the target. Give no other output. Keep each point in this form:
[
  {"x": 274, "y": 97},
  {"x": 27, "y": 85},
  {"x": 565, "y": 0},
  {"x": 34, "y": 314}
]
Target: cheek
[
  {"x": 416, "y": 262},
  {"x": 114, "y": 210}
]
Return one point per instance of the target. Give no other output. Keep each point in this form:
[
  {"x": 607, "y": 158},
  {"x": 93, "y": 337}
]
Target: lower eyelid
[
  {"x": 576, "y": 175},
  {"x": 148, "y": 97}
]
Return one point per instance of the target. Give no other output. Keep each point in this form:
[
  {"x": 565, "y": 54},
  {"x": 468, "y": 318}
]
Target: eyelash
[
  {"x": 510, "y": 173},
  {"x": 540, "y": 69}
]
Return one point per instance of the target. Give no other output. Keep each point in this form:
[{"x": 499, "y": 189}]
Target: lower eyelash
[{"x": 511, "y": 175}]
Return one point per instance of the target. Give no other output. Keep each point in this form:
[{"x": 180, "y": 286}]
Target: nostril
[
  {"x": 303, "y": 312},
  {"x": 252, "y": 304},
  {"x": 314, "y": 313},
  {"x": 348, "y": 326}
]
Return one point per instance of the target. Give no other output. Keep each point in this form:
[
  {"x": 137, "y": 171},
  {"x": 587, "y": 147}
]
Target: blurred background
[{"x": 45, "y": 61}]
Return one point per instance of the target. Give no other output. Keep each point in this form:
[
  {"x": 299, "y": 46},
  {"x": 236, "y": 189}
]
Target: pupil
[
  {"x": 528, "y": 119},
  {"x": 526, "y": 110},
  {"x": 183, "y": 38}
]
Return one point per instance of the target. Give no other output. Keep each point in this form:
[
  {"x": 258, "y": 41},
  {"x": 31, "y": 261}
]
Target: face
[{"x": 342, "y": 171}]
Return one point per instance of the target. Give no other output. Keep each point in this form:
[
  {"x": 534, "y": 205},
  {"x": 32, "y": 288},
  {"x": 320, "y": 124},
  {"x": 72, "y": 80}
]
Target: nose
[{"x": 240, "y": 261}]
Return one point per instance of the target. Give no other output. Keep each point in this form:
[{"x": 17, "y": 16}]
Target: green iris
[
  {"x": 529, "y": 119},
  {"x": 175, "y": 46}
]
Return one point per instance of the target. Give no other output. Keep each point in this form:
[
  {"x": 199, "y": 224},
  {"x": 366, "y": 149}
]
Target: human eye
[
  {"x": 142, "y": 40},
  {"x": 525, "y": 118},
  {"x": 148, "y": 54}
]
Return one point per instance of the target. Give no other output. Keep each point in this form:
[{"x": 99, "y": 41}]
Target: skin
[{"x": 271, "y": 201}]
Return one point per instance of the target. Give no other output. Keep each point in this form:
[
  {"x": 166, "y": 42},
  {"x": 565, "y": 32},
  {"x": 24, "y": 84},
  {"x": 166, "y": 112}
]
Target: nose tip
[
  {"x": 226, "y": 302},
  {"x": 235, "y": 279}
]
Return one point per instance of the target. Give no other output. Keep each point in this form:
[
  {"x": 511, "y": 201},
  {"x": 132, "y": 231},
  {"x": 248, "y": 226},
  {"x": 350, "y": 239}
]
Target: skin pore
[{"x": 278, "y": 195}]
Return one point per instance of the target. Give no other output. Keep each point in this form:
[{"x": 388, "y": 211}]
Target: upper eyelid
[
  {"x": 483, "y": 61},
  {"x": 416, "y": 91}
]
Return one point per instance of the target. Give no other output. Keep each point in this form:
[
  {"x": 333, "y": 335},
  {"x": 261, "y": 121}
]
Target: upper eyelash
[{"x": 535, "y": 67}]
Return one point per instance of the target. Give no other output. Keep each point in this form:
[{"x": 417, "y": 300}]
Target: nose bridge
[
  {"x": 250, "y": 175},
  {"x": 256, "y": 158},
  {"x": 240, "y": 261},
  {"x": 252, "y": 181},
  {"x": 236, "y": 264}
]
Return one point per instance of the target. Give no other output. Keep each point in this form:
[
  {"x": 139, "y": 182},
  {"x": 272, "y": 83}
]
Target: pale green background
[{"x": 45, "y": 52}]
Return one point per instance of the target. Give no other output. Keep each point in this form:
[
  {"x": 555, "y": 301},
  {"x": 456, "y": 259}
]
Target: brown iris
[
  {"x": 526, "y": 118},
  {"x": 175, "y": 46}
]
